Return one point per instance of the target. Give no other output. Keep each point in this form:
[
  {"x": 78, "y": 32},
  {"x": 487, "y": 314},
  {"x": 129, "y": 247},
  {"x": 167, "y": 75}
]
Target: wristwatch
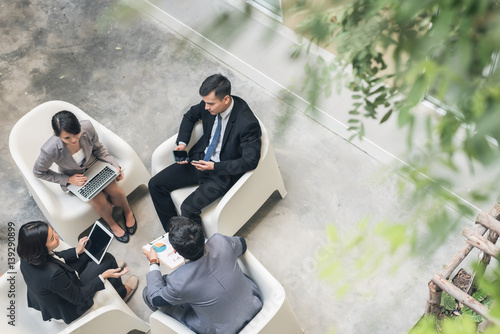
[{"x": 153, "y": 261}]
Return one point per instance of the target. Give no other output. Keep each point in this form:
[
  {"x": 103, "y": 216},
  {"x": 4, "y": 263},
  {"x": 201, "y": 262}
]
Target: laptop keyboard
[{"x": 96, "y": 182}]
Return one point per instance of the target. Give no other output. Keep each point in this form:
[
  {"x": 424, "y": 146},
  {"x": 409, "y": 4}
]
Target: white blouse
[{"x": 79, "y": 157}]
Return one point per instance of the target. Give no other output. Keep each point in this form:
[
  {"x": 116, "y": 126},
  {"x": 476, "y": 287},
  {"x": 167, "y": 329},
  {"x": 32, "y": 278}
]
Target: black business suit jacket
[
  {"x": 240, "y": 151},
  {"x": 55, "y": 290}
]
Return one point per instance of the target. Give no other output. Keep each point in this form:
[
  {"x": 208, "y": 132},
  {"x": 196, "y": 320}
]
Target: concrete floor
[{"x": 137, "y": 77}]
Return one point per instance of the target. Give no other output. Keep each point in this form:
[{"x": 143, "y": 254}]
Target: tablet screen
[{"x": 99, "y": 240}]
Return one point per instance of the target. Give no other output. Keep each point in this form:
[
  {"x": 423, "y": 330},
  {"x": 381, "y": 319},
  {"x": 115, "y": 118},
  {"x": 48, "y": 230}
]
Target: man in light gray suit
[{"x": 209, "y": 293}]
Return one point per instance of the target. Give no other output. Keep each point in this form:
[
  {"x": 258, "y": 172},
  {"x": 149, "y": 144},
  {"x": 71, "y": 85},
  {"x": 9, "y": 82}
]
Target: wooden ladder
[{"x": 475, "y": 238}]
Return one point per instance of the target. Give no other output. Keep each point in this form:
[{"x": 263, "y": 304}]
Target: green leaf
[
  {"x": 470, "y": 313},
  {"x": 479, "y": 295},
  {"x": 386, "y": 116},
  {"x": 417, "y": 91},
  {"x": 448, "y": 302},
  {"x": 458, "y": 325},
  {"x": 404, "y": 116},
  {"x": 488, "y": 301}
]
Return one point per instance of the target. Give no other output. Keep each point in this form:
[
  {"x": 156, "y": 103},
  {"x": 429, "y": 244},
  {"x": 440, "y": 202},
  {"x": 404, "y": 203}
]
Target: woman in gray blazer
[{"x": 74, "y": 147}]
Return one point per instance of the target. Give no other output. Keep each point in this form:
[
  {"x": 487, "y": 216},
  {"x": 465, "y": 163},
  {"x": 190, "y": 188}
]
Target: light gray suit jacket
[
  {"x": 54, "y": 150},
  {"x": 213, "y": 294}
]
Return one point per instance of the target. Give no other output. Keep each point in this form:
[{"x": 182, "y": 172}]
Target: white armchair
[
  {"x": 276, "y": 315},
  {"x": 109, "y": 314},
  {"x": 228, "y": 214},
  {"x": 68, "y": 215}
]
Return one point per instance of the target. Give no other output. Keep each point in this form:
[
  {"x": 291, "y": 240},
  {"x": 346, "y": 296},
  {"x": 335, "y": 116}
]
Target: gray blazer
[
  {"x": 212, "y": 293},
  {"x": 54, "y": 150}
]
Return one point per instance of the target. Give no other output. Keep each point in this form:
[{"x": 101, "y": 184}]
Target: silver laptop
[{"x": 99, "y": 175}]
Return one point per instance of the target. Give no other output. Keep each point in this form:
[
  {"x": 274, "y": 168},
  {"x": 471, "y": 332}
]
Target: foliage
[
  {"x": 448, "y": 302},
  {"x": 455, "y": 317},
  {"x": 403, "y": 51},
  {"x": 457, "y": 325},
  {"x": 397, "y": 53},
  {"x": 452, "y": 308},
  {"x": 436, "y": 46}
]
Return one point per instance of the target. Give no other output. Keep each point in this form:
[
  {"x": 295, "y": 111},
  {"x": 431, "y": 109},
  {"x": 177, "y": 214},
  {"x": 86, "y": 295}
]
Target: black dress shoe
[
  {"x": 124, "y": 238},
  {"x": 130, "y": 230}
]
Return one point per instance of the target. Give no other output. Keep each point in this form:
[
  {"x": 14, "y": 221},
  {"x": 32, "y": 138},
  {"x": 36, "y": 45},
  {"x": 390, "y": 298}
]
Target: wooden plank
[
  {"x": 461, "y": 254},
  {"x": 456, "y": 260},
  {"x": 463, "y": 298},
  {"x": 434, "y": 301},
  {"x": 480, "y": 242},
  {"x": 488, "y": 221},
  {"x": 483, "y": 263}
]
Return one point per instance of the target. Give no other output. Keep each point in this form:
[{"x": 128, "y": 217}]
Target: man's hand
[
  {"x": 120, "y": 174},
  {"x": 81, "y": 245},
  {"x": 203, "y": 165},
  {"x": 151, "y": 254},
  {"x": 181, "y": 147},
  {"x": 77, "y": 179}
]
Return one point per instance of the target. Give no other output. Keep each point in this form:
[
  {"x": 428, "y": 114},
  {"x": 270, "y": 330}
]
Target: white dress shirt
[{"x": 225, "y": 118}]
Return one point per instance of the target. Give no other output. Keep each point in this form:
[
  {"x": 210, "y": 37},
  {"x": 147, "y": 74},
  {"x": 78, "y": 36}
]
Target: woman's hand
[
  {"x": 120, "y": 175},
  {"x": 77, "y": 179},
  {"x": 81, "y": 245},
  {"x": 114, "y": 273}
]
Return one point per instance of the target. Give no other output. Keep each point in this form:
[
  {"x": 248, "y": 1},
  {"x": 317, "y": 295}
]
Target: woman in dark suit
[
  {"x": 74, "y": 147},
  {"x": 62, "y": 284}
]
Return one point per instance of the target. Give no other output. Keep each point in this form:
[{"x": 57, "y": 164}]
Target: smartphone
[{"x": 180, "y": 156}]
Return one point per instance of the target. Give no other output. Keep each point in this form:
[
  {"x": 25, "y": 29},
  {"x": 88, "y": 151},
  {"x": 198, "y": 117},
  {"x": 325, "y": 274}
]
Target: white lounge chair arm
[{"x": 168, "y": 325}]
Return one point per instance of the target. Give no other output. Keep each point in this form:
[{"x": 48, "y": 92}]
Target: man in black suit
[{"x": 229, "y": 147}]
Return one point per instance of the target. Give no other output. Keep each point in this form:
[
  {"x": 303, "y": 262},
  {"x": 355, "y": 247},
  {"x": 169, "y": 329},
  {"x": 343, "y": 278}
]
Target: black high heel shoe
[
  {"x": 130, "y": 230},
  {"x": 124, "y": 238}
]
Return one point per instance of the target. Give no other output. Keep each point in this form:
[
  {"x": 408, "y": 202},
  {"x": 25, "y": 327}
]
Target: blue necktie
[{"x": 215, "y": 139}]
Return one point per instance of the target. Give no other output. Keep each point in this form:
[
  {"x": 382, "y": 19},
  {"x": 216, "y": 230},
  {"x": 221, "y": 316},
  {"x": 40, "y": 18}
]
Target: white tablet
[{"x": 98, "y": 243}]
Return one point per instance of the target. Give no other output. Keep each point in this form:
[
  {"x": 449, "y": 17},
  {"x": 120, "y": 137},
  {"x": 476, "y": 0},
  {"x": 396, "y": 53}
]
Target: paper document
[{"x": 165, "y": 251}]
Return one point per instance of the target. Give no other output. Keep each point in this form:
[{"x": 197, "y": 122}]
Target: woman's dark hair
[
  {"x": 32, "y": 243},
  {"x": 186, "y": 236},
  {"x": 65, "y": 121},
  {"x": 218, "y": 83}
]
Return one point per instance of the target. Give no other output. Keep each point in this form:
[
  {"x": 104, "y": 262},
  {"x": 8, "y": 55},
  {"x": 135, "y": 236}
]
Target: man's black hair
[
  {"x": 186, "y": 236},
  {"x": 216, "y": 83}
]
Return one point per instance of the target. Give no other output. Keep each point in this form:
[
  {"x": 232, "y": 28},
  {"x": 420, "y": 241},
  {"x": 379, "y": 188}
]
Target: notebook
[
  {"x": 98, "y": 243},
  {"x": 99, "y": 175}
]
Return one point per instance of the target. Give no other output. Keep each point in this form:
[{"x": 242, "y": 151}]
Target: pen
[{"x": 159, "y": 238}]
